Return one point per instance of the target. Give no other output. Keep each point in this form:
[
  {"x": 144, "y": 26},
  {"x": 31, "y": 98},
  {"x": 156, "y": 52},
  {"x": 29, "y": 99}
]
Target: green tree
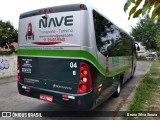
[
  {"x": 158, "y": 40},
  {"x": 146, "y": 8},
  {"x": 147, "y": 32},
  {"x": 8, "y": 34}
]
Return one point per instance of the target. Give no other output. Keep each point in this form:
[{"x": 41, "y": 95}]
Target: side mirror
[{"x": 137, "y": 47}]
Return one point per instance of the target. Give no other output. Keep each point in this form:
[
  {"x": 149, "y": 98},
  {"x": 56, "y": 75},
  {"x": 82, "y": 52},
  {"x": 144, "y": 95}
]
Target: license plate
[{"x": 46, "y": 97}]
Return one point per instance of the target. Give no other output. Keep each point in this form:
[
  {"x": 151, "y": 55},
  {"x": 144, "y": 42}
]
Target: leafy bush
[
  {"x": 158, "y": 53},
  {"x": 141, "y": 58},
  {"x": 6, "y": 52}
]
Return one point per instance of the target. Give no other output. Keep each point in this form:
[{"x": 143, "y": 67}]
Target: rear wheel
[
  {"x": 118, "y": 90},
  {"x": 133, "y": 73}
]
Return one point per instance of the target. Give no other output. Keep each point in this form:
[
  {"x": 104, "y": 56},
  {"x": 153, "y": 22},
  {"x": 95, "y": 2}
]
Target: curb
[{"x": 130, "y": 97}]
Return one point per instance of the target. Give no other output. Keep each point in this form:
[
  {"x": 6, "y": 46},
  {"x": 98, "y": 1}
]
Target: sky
[{"x": 112, "y": 9}]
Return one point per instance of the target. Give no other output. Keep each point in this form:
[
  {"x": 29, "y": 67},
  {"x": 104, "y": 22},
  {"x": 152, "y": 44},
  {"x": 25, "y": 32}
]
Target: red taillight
[
  {"x": 85, "y": 83},
  {"x": 19, "y": 77},
  {"x": 82, "y": 6},
  {"x": 84, "y": 87},
  {"x": 18, "y": 68}
]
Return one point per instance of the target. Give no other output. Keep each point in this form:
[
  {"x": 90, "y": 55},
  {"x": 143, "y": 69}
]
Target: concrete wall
[{"x": 8, "y": 66}]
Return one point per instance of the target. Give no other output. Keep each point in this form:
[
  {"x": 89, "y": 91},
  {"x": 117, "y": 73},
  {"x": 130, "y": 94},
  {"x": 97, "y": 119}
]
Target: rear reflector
[
  {"x": 79, "y": 102},
  {"x": 67, "y": 96},
  {"x": 28, "y": 88},
  {"x": 64, "y": 96}
]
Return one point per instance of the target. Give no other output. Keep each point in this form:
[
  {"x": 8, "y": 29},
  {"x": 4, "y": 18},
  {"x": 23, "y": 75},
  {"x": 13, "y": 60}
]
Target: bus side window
[
  {"x": 102, "y": 29},
  {"x": 110, "y": 38}
]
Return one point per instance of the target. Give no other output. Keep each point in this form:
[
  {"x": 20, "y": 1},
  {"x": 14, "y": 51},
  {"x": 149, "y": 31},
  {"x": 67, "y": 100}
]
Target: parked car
[{"x": 152, "y": 56}]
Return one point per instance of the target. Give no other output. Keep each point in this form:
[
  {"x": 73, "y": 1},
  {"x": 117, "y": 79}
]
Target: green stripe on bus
[
  {"x": 63, "y": 53},
  {"x": 113, "y": 73}
]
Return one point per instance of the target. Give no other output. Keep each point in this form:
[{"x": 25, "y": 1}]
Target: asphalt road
[{"x": 10, "y": 100}]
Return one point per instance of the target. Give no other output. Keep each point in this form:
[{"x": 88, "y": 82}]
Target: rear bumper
[{"x": 86, "y": 99}]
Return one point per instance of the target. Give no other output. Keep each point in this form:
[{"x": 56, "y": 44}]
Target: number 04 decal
[{"x": 73, "y": 65}]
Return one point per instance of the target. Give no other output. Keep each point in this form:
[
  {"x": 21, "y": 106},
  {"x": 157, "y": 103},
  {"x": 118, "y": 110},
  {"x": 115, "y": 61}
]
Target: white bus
[{"x": 73, "y": 55}]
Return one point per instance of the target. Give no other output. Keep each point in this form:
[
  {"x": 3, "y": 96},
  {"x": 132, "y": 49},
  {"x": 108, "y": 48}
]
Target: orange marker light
[
  {"x": 99, "y": 89},
  {"x": 84, "y": 72},
  {"x": 18, "y": 66}
]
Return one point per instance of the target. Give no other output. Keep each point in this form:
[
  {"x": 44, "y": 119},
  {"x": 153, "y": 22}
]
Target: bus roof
[
  {"x": 55, "y": 9},
  {"x": 64, "y": 8}
]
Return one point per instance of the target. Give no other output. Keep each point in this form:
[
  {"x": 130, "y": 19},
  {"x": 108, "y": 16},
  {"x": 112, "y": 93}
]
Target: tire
[
  {"x": 118, "y": 90},
  {"x": 133, "y": 73}
]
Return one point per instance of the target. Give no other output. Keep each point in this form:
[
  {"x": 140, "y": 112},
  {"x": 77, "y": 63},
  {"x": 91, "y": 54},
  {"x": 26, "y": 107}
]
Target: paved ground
[{"x": 10, "y": 100}]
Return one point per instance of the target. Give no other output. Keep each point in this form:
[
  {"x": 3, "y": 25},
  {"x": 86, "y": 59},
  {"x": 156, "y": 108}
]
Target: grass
[
  {"x": 145, "y": 92},
  {"x": 154, "y": 70}
]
